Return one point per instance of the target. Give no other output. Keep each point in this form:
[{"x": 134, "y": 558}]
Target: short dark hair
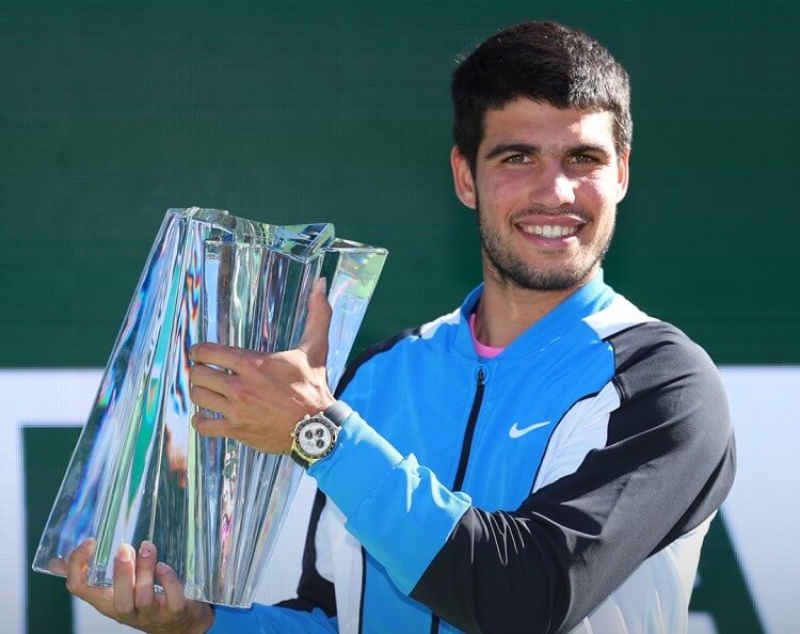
[{"x": 543, "y": 61}]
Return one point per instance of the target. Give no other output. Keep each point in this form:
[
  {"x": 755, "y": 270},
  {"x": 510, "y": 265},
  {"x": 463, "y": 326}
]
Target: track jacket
[{"x": 565, "y": 485}]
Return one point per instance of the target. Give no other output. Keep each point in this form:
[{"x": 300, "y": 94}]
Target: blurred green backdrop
[{"x": 334, "y": 110}]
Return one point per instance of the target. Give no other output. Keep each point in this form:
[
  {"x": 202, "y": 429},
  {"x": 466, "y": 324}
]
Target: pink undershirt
[{"x": 487, "y": 352}]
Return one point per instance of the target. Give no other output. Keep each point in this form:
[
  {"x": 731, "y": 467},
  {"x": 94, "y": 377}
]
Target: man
[{"x": 546, "y": 458}]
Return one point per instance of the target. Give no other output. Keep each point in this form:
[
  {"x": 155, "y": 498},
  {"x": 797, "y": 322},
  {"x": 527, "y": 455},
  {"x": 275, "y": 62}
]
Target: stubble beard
[{"x": 510, "y": 270}]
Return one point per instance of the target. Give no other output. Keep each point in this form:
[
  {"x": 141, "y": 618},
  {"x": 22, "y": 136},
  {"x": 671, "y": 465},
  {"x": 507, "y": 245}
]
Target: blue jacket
[{"x": 564, "y": 485}]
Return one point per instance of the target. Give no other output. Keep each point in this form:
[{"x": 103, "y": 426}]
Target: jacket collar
[{"x": 588, "y": 299}]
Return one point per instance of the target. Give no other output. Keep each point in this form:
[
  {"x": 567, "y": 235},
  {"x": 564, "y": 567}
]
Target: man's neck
[{"x": 505, "y": 311}]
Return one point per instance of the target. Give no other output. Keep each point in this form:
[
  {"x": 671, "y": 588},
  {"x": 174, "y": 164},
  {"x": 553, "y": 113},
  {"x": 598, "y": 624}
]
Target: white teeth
[{"x": 550, "y": 231}]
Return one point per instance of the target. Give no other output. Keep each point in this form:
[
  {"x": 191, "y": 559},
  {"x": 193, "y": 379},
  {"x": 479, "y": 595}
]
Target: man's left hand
[{"x": 262, "y": 396}]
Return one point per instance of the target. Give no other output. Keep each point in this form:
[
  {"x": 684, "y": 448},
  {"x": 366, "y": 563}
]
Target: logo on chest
[{"x": 518, "y": 432}]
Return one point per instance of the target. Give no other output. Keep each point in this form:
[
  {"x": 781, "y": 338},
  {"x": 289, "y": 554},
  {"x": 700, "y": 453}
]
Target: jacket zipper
[{"x": 466, "y": 449}]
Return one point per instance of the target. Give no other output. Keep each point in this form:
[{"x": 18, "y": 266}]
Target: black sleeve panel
[
  {"x": 668, "y": 463},
  {"x": 313, "y": 591},
  {"x": 367, "y": 354}
]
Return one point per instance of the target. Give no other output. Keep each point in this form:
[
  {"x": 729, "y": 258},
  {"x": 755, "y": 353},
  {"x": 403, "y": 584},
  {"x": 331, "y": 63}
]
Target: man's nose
[{"x": 553, "y": 188}]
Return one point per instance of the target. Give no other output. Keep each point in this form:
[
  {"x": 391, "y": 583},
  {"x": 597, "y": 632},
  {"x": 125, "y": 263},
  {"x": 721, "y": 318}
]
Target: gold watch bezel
[{"x": 301, "y": 454}]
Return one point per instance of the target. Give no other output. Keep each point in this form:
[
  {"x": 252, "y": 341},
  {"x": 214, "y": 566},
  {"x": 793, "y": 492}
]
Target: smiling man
[{"x": 545, "y": 458}]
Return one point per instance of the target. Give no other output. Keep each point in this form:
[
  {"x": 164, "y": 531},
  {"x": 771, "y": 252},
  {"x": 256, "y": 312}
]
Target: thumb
[{"x": 318, "y": 321}]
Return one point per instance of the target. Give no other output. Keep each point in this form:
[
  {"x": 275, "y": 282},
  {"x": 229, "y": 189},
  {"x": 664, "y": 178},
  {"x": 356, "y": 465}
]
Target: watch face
[{"x": 314, "y": 438}]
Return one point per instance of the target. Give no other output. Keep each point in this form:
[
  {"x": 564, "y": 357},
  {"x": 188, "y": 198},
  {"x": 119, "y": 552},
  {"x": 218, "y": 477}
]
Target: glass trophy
[{"x": 212, "y": 506}]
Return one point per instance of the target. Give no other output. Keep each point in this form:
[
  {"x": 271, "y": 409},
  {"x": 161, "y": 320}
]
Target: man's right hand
[{"x": 133, "y": 600}]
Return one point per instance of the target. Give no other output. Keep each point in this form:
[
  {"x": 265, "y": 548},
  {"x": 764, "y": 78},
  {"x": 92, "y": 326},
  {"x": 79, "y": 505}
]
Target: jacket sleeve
[
  {"x": 313, "y": 610},
  {"x": 263, "y": 619},
  {"x": 666, "y": 465}
]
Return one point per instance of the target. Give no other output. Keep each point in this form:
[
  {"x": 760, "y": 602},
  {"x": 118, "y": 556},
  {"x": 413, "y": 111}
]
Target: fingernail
[
  {"x": 162, "y": 568},
  {"x": 321, "y": 285},
  {"x": 146, "y": 549},
  {"x": 125, "y": 553}
]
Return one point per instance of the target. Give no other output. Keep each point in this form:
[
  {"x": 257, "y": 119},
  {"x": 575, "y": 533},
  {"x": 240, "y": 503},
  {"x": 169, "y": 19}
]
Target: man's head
[
  {"x": 543, "y": 135},
  {"x": 545, "y": 62}
]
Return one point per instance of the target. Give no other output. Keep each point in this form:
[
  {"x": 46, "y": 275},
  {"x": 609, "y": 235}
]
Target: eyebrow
[
  {"x": 515, "y": 148},
  {"x": 526, "y": 148}
]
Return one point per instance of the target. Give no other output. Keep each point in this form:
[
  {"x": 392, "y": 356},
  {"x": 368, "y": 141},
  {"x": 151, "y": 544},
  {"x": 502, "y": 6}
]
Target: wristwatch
[{"x": 314, "y": 437}]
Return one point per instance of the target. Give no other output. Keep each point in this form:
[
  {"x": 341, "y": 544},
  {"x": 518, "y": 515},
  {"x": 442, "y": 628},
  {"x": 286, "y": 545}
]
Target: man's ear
[
  {"x": 623, "y": 174},
  {"x": 463, "y": 180}
]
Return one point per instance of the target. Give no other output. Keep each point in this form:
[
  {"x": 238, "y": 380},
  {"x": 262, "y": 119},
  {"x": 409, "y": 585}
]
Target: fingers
[
  {"x": 77, "y": 569},
  {"x": 208, "y": 389},
  {"x": 173, "y": 588},
  {"x": 211, "y": 427},
  {"x": 58, "y": 566},
  {"x": 133, "y": 600},
  {"x": 318, "y": 321},
  {"x": 192, "y": 615},
  {"x": 233, "y": 359},
  {"x": 144, "y": 588},
  {"x": 78, "y": 565},
  {"x": 124, "y": 580},
  {"x": 207, "y": 398},
  {"x": 208, "y": 377}
]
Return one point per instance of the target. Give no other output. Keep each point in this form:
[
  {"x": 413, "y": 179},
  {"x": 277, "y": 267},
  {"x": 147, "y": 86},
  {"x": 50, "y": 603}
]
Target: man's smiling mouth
[{"x": 550, "y": 231}]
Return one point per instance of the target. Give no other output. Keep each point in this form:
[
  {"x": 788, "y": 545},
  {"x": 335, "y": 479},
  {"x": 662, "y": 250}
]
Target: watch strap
[{"x": 338, "y": 412}]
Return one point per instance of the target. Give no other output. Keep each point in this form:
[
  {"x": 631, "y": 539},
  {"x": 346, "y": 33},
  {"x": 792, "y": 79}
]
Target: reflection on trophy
[{"x": 212, "y": 506}]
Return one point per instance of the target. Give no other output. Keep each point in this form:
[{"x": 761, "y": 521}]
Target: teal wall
[{"x": 111, "y": 112}]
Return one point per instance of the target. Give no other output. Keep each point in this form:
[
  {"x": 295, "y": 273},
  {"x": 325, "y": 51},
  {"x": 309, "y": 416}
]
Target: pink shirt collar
[{"x": 487, "y": 352}]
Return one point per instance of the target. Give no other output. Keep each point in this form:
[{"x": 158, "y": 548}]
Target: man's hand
[
  {"x": 133, "y": 600},
  {"x": 261, "y": 396}
]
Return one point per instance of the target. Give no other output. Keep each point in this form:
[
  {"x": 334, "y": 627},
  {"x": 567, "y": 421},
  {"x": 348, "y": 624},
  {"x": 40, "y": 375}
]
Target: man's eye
[
  {"x": 583, "y": 159},
  {"x": 517, "y": 159}
]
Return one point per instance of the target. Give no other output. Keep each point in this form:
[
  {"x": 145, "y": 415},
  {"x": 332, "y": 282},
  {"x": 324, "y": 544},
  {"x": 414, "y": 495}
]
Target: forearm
[{"x": 397, "y": 509}]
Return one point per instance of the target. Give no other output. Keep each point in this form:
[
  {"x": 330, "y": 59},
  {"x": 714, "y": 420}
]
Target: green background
[{"x": 338, "y": 111}]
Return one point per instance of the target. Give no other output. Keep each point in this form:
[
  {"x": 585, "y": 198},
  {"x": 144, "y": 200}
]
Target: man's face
[{"x": 546, "y": 185}]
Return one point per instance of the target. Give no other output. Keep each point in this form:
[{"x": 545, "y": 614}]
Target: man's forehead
[
  {"x": 533, "y": 113},
  {"x": 549, "y": 128}
]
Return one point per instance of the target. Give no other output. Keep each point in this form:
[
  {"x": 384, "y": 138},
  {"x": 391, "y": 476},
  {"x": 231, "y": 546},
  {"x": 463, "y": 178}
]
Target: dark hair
[{"x": 543, "y": 61}]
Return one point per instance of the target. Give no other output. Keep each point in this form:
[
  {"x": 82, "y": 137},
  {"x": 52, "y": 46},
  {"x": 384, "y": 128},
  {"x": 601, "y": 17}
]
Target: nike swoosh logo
[{"x": 516, "y": 432}]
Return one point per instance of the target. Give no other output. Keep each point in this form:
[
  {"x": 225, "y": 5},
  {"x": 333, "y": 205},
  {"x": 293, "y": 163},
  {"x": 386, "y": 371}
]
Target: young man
[{"x": 546, "y": 458}]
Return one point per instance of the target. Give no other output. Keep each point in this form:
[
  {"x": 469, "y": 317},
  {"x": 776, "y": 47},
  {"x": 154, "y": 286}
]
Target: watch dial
[{"x": 314, "y": 439}]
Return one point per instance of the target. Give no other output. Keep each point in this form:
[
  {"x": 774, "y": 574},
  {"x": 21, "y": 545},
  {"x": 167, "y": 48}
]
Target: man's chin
[{"x": 558, "y": 280}]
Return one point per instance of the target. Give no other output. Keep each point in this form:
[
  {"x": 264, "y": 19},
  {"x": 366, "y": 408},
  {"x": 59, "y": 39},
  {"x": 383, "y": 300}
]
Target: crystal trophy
[{"x": 212, "y": 506}]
